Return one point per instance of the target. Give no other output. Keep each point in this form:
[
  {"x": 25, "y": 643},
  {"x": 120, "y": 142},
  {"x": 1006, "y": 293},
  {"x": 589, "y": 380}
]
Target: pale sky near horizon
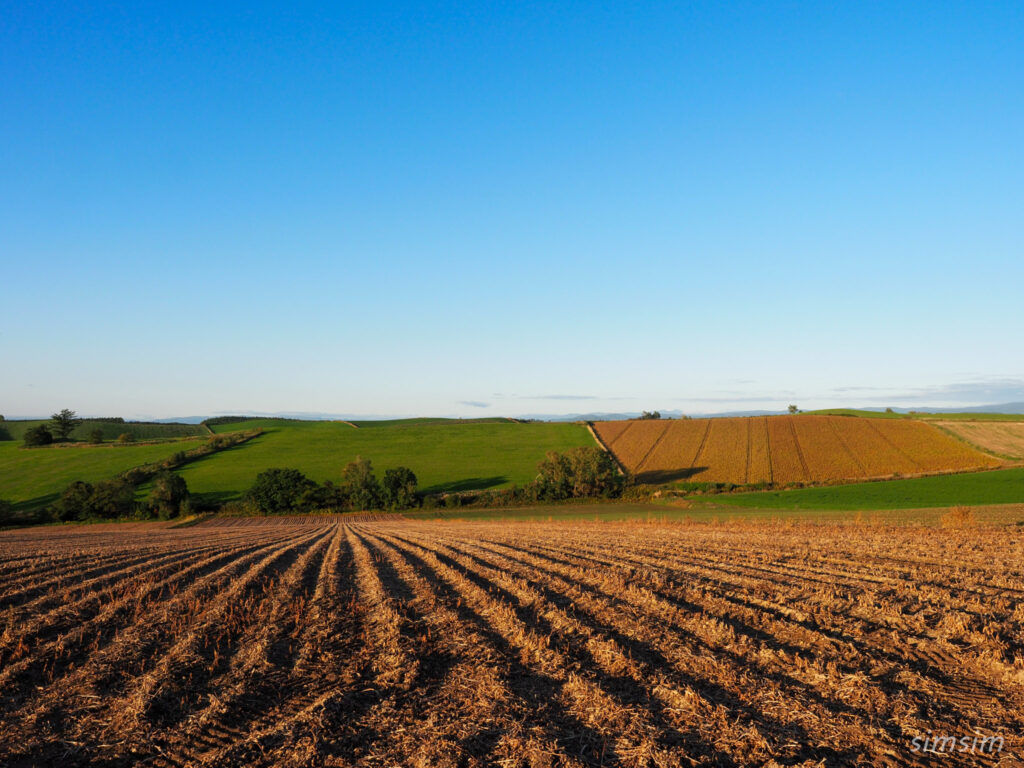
[{"x": 508, "y": 209}]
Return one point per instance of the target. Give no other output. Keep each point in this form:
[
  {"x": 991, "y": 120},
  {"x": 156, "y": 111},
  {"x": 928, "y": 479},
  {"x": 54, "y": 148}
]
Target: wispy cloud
[
  {"x": 475, "y": 403},
  {"x": 980, "y": 392}
]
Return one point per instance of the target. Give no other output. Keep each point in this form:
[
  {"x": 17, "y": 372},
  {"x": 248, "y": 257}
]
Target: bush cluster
[
  {"x": 279, "y": 491},
  {"x": 38, "y": 435}
]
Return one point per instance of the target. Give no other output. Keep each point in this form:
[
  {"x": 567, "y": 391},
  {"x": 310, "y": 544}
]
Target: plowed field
[
  {"x": 395, "y": 643},
  {"x": 784, "y": 449},
  {"x": 1002, "y": 437}
]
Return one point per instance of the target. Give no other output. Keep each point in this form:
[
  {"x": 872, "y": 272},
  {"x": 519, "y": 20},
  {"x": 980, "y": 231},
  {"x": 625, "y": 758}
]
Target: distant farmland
[{"x": 785, "y": 449}]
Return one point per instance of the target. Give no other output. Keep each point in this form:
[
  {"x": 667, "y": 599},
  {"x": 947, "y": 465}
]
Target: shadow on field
[
  {"x": 36, "y": 504},
  {"x": 212, "y": 500},
  {"x": 669, "y": 475},
  {"x": 468, "y": 484}
]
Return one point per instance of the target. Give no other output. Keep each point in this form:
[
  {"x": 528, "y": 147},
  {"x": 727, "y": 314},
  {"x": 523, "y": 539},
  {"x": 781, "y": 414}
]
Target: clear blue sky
[{"x": 511, "y": 208}]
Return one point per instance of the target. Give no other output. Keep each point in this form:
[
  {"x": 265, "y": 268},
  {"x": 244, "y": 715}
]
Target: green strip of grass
[{"x": 1003, "y": 486}]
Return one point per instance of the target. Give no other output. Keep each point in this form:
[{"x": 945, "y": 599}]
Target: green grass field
[
  {"x": 34, "y": 477},
  {"x": 15, "y": 430},
  {"x": 445, "y": 455},
  {"x": 1001, "y": 486},
  {"x": 423, "y": 422}
]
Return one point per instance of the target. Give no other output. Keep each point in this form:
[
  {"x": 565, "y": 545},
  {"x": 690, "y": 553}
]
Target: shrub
[
  {"x": 176, "y": 459},
  {"x": 126, "y": 437},
  {"x": 96, "y": 436},
  {"x": 280, "y": 490},
  {"x": 169, "y": 494},
  {"x": 38, "y": 435}
]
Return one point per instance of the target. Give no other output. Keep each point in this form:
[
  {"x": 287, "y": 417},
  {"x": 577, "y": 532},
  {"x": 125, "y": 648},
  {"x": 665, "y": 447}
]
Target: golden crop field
[
  {"x": 318, "y": 642},
  {"x": 785, "y": 449},
  {"x": 1005, "y": 438}
]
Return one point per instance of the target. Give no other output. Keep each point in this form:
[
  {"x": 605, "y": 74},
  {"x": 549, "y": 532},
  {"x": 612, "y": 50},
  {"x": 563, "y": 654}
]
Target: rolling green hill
[
  {"x": 423, "y": 422},
  {"x": 15, "y": 430},
  {"x": 446, "y": 455},
  {"x": 33, "y": 477}
]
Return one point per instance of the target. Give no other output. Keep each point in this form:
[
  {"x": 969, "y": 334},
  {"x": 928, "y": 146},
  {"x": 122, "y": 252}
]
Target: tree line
[{"x": 583, "y": 472}]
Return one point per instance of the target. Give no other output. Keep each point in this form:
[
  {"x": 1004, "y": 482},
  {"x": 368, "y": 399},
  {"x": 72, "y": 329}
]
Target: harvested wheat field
[
  {"x": 317, "y": 642},
  {"x": 784, "y": 449},
  {"x": 1005, "y": 438}
]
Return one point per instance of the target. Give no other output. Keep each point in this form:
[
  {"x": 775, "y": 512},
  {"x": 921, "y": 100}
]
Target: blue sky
[{"x": 473, "y": 209}]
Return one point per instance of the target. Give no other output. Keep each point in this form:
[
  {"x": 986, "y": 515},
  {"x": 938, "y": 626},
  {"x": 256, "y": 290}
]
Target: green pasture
[
  {"x": 34, "y": 477},
  {"x": 1001, "y": 486},
  {"x": 446, "y": 455},
  {"x": 15, "y": 430}
]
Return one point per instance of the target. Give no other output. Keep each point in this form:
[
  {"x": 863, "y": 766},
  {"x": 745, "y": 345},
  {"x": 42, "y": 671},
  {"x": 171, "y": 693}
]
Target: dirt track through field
[{"x": 326, "y": 642}]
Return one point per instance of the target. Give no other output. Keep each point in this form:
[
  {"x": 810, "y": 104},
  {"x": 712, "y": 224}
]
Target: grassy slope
[
  {"x": 1004, "y": 486},
  {"x": 423, "y": 422},
  {"x": 444, "y": 456},
  {"x": 15, "y": 430},
  {"x": 32, "y": 477}
]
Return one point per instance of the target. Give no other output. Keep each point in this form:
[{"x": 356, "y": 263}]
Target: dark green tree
[
  {"x": 793, "y": 409},
  {"x": 38, "y": 435},
  {"x": 360, "y": 484},
  {"x": 650, "y": 415},
  {"x": 63, "y": 424},
  {"x": 280, "y": 490},
  {"x": 398, "y": 488},
  {"x": 96, "y": 436},
  {"x": 169, "y": 494}
]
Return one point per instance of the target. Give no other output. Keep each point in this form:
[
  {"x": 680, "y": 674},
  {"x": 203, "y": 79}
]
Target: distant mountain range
[{"x": 593, "y": 416}]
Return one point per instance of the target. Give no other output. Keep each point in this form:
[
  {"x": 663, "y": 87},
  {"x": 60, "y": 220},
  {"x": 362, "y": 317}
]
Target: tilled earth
[{"x": 322, "y": 641}]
